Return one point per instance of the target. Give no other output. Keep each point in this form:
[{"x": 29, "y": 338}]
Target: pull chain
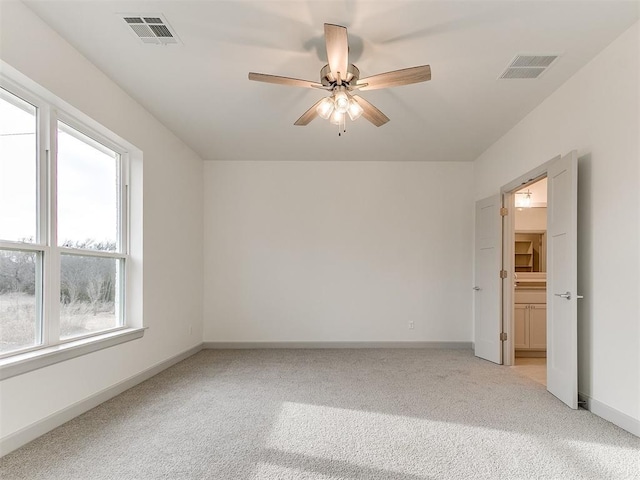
[{"x": 342, "y": 125}]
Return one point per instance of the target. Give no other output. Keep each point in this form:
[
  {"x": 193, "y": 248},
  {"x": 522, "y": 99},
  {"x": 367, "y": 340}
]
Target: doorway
[
  {"x": 495, "y": 259},
  {"x": 529, "y": 274},
  {"x": 559, "y": 282}
]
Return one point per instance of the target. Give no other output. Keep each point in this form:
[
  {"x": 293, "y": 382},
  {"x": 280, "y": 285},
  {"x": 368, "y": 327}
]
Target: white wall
[
  {"x": 172, "y": 227},
  {"x": 596, "y": 112},
  {"x": 531, "y": 219},
  {"x": 337, "y": 251}
]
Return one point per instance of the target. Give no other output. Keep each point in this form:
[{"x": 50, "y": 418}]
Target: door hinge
[
  {"x": 503, "y": 337},
  {"x": 504, "y": 211},
  {"x": 503, "y": 274}
]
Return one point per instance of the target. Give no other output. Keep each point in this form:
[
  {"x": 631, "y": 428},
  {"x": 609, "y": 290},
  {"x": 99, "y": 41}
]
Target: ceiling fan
[{"x": 342, "y": 78}]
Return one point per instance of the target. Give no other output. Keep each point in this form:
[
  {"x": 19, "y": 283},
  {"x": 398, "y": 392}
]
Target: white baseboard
[
  {"x": 622, "y": 420},
  {"x": 256, "y": 345},
  {"x": 31, "y": 432}
]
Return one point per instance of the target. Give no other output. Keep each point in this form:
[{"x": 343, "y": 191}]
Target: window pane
[
  {"x": 87, "y": 192},
  {"x": 20, "y": 300},
  {"x": 18, "y": 157},
  {"x": 89, "y": 295}
]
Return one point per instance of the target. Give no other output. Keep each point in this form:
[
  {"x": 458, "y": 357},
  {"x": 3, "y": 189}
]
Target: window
[
  {"x": 63, "y": 228},
  {"x": 21, "y": 258},
  {"x": 88, "y": 219}
]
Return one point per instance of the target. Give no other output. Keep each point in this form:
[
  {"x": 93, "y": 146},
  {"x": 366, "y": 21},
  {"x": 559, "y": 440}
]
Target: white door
[
  {"x": 562, "y": 279},
  {"x": 488, "y": 284}
]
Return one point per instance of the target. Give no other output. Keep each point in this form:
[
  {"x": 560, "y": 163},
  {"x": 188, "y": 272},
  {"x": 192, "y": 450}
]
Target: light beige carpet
[{"x": 406, "y": 414}]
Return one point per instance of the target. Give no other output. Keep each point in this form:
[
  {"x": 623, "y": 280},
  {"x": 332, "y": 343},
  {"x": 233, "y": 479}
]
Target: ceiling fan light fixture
[
  {"x": 355, "y": 110},
  {"x": 325, "y": 108},
  {"x": 342, "y": 80},
  {"x": 341, "y": 100},
  {"x": 337, "y": 118}
]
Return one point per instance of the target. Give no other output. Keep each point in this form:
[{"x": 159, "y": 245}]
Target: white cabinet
[
  {"x": 530, "y": 326},
  {"x": 521, "y": 326},
  {"x": 538, "y": 327}
]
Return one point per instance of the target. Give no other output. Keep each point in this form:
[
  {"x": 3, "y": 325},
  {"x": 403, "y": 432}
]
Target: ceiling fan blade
[
  {"x": 397, "y": 78},
  {"x": 309, "y": 115},
  {"x": 337, "y": 43},
  {"x": 370, "y": 112},
  {"x": 288, "y": 81}
]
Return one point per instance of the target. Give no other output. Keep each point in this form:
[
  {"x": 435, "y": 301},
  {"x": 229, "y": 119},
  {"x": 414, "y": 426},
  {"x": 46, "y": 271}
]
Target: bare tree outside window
[
  {"x": 19, "y": 319},
  {"x": 88, "y": 294}
]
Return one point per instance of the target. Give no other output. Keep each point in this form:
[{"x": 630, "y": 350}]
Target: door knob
[
  {"x": 564, "y": 295},
  {"x": 477, "y": 289}
]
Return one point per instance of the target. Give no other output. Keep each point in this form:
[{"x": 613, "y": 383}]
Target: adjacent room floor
[
  {"x": 400, "y": 414},
  {"x": 533, "y": 368}
]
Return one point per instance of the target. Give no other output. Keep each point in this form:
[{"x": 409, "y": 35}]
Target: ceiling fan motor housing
[{"x": 329, "y": 80}]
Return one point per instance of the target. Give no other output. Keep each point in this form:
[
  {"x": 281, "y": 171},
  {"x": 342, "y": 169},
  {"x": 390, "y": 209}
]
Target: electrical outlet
[{"x": 411, "y": 325}]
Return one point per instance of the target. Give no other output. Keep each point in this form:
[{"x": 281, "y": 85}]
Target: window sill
[{"x": 33, "y": 360}]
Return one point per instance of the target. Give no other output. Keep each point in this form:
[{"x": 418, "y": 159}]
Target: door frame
[{"x": 508, "y": 237}]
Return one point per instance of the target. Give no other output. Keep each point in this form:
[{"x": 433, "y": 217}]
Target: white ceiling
[{"x": 201, "y": 92}]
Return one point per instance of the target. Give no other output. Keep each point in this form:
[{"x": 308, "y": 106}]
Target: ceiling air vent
[
  {"x": 152, "y": 29},
  {"x": 528, "y": 66}
]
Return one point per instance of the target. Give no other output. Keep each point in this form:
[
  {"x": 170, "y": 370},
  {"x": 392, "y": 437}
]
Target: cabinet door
[
  {"x": 538, "y": 326},
  {"x": 521, "y": 326}
]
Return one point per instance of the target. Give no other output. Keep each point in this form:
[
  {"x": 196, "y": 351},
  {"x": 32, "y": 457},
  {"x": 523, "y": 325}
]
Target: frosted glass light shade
[
  {"x": 341, "y": 102},
  {"x": 355, "y": 110},
  {"x": 325, "y": 108},
  {"x": 337, "y": 118}
]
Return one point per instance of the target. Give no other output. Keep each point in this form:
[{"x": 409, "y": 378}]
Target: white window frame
[{"x": 50, "y": 111}]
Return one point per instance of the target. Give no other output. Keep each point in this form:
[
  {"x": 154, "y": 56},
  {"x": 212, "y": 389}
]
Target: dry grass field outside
[{"x": 18, "y": 320}]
